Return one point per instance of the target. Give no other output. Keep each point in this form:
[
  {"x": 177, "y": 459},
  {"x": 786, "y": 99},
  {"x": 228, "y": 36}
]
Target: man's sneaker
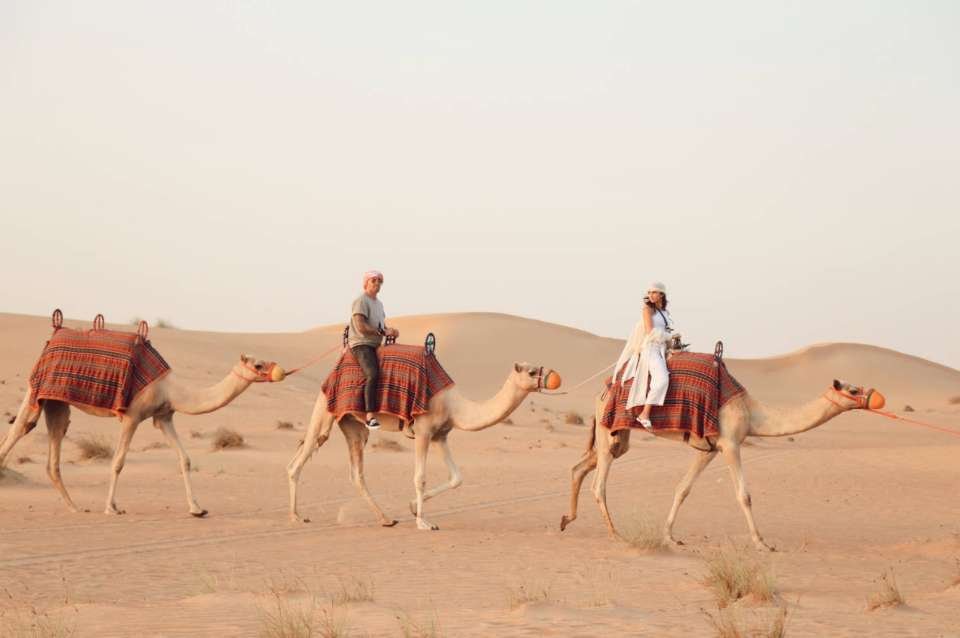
[{"x": 373, "y": 424}]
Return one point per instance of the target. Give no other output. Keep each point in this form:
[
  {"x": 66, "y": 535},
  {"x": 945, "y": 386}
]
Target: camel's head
[
  {"x": 853, "y": 397},
  {"x": 535, "y": 378},
  {"x": 258, "y": 371}
]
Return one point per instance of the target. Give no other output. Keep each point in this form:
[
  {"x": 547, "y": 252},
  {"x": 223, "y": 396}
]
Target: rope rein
[{"x": 863, "y": 401}]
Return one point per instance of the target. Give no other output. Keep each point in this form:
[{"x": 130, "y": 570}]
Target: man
[{"x": 366, "y": 332}]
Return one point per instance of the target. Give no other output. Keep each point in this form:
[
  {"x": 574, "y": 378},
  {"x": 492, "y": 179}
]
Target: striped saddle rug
[
  {"x": 699, "y": 386},
  {"x": 96, "y": 368},
  {"x": 409, "y": 378}
]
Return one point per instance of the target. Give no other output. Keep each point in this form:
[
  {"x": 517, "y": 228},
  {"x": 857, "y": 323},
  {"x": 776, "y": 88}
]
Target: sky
[{"x": 788, "y": 170}]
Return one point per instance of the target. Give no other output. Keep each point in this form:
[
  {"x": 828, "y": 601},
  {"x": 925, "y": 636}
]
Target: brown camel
[
  {"x": 447, "y": 410},
  {"x": 158, "y": 400},
  {"x": 741, "y": 417}
]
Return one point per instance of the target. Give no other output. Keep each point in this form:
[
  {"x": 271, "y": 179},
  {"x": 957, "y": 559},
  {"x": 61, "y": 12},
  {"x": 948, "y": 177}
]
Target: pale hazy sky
[{"x": 790, "y": 170}]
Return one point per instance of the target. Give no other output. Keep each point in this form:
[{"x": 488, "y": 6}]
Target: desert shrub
[
  {"x": 572, "y": 418},
  {"x": 225, "y": 438},
  {"x": 94, "y": 447},
  {"x": 736, "y": 572}
]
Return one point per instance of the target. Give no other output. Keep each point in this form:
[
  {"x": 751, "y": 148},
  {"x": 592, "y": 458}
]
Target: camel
[
  {"x": 447, "y": 410},
  {"x": 159, "y": 400},
  {"x": 741, "y": 417}
]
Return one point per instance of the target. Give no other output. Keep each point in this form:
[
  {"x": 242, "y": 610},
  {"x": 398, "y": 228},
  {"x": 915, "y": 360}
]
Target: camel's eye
[
  {"x": 532, "y": 373},
  {"x": 854, "y": 390},
  {"x": 259, "y": 366}
]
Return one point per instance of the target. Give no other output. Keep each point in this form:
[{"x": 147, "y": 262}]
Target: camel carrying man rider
[{"x": 366, "y": 333}]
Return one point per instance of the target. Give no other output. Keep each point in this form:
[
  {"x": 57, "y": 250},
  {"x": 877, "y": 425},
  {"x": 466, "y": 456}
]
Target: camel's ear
[
  {"x": 516, "y": 367},
  {"x": 837, "y": 385},
  {"x": 244, "y": 358}
]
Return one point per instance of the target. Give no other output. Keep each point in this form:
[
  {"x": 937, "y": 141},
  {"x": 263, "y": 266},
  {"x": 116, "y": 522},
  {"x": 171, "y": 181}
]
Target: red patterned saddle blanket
[
  {"x": 699, "y": 386},
  {"x": 97, "y": 368},
  {"x": 409, "y": 378}
]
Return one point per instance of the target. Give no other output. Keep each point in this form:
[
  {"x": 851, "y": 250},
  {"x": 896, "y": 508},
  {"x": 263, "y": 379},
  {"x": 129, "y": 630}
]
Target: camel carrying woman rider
[{"x": 645, "y": 355}]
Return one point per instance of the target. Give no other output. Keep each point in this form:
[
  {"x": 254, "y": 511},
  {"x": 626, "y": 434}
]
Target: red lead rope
[{"x": 863, "y": 400}]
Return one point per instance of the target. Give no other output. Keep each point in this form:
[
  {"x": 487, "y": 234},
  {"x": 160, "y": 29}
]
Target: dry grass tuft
[
  {"x": 507, "y": 421},
  {"x": 736, "y": 572},
  {"x": 888, "y": 595},
  {"x": 156, "y": 445},
  {"x": 282, "y": 618},
  {"x": 196, "y": 434},
  {"x": 24, "y": 459},
  {"x": 354, "y": 590},
  {"x": 165, "y": 323},
  {"x": 642, "y": 533},
  {"x": 94, "y": 446},
  {"x": 954, "y": 400},
  {"x": 729, "y": 624},
  {"x": 225, "y": 438},
  {"x": 413, "y": 628},
  {"x": 284, "y": 425},
  {"x": 908, "y": 408},
  {"x": 525, "y": 593},
  {"x": 572, "y": 418},
  {"x": 387, "y": 445}
]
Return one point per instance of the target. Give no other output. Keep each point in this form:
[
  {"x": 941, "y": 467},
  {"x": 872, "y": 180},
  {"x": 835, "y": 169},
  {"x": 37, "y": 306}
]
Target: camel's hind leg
[
  {"x": 165, "y": 424},
  {"x": 683, "y": 489},
  {"x": 455, "y": 479},
  {"x": 356, "y": 434},
  {"x": 317, "y": 434},
  {"x": 731, "y": 454},
  {"x": 24, "y": 422},
  {"x": 128, "y": 427},
  {"x": 57, "y": 416}
]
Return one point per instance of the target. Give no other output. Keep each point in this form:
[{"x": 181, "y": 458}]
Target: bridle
[{"x": 862, "y": 401}]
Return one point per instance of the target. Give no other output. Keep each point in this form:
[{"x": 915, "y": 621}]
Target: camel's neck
[
  {"x": 471, "y": 415},
  {"x": 200, "y": 401},
  {"x": 768, "y": 421}
]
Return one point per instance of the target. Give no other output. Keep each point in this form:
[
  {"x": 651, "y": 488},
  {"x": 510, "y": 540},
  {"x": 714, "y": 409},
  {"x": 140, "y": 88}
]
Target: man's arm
[{"x": 361, "y": 325}]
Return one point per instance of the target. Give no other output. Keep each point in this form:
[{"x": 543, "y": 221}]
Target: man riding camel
[{"x": 366, "y": 333}]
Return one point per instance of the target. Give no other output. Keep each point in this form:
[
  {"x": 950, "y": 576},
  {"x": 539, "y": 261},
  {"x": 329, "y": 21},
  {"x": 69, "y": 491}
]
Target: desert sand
[{"x": 843, "y": 504}]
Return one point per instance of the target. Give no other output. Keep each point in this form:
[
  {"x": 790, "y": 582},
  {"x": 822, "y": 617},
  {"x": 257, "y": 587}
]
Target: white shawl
[{"x": 636, "y": 358}]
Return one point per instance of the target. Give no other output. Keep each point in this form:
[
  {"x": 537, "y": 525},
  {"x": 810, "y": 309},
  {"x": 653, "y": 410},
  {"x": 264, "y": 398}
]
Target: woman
[{"x": 645, "y": 355}]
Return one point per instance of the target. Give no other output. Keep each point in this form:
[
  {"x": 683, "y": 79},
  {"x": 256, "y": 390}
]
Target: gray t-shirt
[{"x": 372, "y": 309}]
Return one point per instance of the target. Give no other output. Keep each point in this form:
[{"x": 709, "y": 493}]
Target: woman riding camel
[{"x": 644, "y": 356}]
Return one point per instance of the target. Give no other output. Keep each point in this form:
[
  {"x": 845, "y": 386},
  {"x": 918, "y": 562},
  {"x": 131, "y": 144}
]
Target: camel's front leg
[
  {"x": 731, "y": 454},
  {"x": 421, "y": 447},
  {"x": 578, "y": 472},
  {"x": 356, "y": 435},
  {"x": 683, "y": 490},
  {"x": 58, "y": 420},
  {"x": 317, "y": 434},
  {"x": 127, "y": 428},
  {"x": 454, "y": 481},
  {"x": 165, "y": 423},
  {"x": 604, "y": 461}
]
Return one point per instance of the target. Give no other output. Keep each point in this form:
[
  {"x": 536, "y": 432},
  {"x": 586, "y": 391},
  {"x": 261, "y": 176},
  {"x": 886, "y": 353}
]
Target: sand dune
[{"x": 843, "y": 503}]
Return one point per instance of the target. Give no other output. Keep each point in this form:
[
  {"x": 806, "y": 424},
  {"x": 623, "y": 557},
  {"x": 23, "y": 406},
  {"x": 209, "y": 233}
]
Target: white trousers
[{"x": 659, "y": 375}]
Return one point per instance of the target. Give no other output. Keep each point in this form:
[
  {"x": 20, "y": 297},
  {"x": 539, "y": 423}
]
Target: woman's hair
[{"x": 647, "y": 301}]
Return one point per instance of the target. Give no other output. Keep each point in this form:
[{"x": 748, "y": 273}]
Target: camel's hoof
[
  {"x": 389, "y": 523},
  {"x": 669, "y": 540},
  {"x": 564, "y": 521},
  {"x": 427, "y": 526},
  {"x": 199, "y": 514},
  {"x": 115, "y": 512},
  {"x": 297, "y": 519}
]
